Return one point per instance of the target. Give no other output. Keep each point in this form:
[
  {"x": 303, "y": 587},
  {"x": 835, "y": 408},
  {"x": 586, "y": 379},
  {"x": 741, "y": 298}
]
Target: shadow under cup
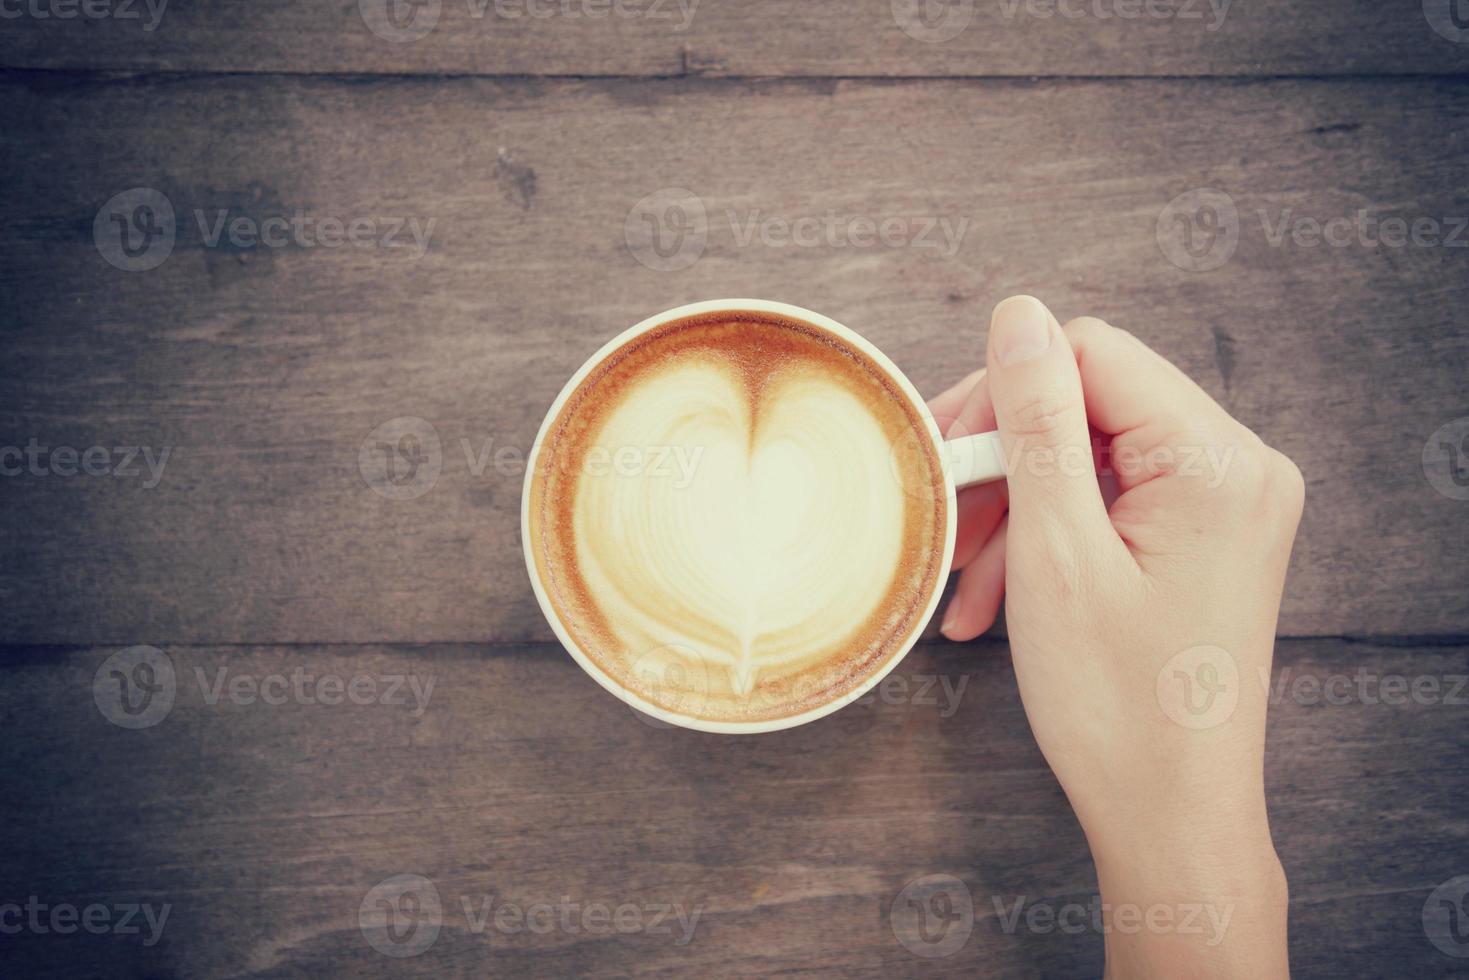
[{"x": 736, "y": 516}]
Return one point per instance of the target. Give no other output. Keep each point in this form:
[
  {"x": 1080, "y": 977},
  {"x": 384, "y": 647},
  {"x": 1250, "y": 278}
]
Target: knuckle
[
  {"x": 1287, "y": 485},
  {"x": 1050, "y": 561},
  {"x": 1263, "y": 482},
  {"x": 1088, "y": 327},
  {"x": 1085, "y": 330},
  {"x": 1042, "y": 414},
  {"x": 1127, "y": 338},
  {"x": 1246, "y": 478}
]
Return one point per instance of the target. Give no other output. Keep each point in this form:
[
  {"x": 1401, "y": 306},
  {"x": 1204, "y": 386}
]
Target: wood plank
[
  {"x": 264, "y": 371},
  {"x": 265, "y": 826},
  {"x": 766, "y": 38}
]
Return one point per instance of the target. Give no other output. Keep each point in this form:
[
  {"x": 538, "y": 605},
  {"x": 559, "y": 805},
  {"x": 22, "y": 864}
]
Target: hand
[{"x": 1141, "y": 608}]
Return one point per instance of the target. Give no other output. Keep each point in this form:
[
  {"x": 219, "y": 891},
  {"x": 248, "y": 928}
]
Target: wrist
[
  {"x": 1192, "y": 826},
  {"x": 1201, "y": 849},
  {"x": 1204, "y": 900}
]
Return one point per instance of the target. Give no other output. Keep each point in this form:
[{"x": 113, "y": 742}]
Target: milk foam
[{"x": 782, "y": 565}]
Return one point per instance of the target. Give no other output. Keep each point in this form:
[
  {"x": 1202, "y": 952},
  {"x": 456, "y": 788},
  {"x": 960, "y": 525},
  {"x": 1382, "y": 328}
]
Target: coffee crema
[{"x": 738, "y": 517}]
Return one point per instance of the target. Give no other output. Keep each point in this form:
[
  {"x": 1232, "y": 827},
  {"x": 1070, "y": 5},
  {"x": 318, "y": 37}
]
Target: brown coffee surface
[{"x": 738, "y": 517}]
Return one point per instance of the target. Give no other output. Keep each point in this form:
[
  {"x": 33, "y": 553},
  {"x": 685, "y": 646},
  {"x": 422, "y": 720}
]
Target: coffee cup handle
[{"x": 975, "y": 459}]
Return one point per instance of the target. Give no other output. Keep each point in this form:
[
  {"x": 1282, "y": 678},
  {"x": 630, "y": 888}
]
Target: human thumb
[{"x": 1036, "y": 388}]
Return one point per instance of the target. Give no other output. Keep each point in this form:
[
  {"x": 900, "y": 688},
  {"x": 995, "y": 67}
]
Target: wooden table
[{"x": 455, "y": 199}]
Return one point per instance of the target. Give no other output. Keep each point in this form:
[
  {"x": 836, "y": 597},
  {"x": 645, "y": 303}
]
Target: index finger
[
  {"x": 1142, "y": 400},
  {"x": 945, "y": 407},
  {"x": 1129, "y": 386}
]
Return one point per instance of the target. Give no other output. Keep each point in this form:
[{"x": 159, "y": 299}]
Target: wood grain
[
  {"x": 265, "y": 371},
  {"x": 264, "y": 826},
  {"x": 1054, "y": 149},
  {"x": 766, "y": 38}
]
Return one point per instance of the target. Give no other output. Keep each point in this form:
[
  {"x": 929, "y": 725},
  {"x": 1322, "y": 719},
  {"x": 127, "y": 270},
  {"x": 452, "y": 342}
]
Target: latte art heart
[
  {"x": 765, "y": 555},
  {"x": 746, "y": 547}
]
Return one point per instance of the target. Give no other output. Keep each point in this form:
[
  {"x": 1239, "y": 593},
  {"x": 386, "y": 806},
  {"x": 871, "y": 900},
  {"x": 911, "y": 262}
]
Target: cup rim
[{"x": 548, "y": 609}]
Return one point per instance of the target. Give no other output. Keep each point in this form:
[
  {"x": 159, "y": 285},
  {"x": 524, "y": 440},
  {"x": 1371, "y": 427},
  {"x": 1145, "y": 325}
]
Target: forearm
[{"x": 1193, "y": 901}]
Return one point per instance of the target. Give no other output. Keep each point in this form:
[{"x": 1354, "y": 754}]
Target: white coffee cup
[{"x": 966, "y": 461}]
